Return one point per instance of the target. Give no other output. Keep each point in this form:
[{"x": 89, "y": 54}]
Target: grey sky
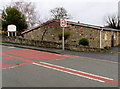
[{"x": 86, "y": 11}]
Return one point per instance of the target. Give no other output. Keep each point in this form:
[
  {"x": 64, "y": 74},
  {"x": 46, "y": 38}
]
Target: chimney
[{"x": 78, "y": 21}]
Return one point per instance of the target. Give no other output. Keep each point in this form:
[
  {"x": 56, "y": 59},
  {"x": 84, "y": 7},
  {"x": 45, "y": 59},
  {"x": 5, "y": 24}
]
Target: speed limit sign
[{"x": 63, "y": 22}]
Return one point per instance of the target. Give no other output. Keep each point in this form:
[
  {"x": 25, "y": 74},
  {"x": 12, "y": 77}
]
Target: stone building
[{"x": 98, "y": 37}]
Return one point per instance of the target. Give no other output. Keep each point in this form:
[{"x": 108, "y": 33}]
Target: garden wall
[{"x": 49, "y": 44}]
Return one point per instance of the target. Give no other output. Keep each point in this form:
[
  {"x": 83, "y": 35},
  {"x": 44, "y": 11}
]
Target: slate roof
[{"x": 72, "y": 23}]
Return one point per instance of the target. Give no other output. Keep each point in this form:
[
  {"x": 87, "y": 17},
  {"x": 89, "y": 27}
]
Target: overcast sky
[{"x": 86, "y": 11}]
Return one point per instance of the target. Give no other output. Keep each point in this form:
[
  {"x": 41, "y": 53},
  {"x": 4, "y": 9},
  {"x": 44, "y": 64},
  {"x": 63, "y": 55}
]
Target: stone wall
[
  {"x": 49, "y": 44},
  {"x": 83, "y": 32},
  {"x": 52, "y": 30},
  {"x": 107, "y": 38},
  {"x": 51, "y": 33},
  {"x": 77, "y": 32},
  {"x": 37, "y": 43}
]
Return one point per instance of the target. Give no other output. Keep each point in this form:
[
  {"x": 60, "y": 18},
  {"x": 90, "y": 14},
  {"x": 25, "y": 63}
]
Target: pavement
[{"x": 111, "y": 55}]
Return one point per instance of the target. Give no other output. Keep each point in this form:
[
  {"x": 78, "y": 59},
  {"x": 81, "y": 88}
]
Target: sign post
[
  {"x": 63, "y": 24},
  {"x": 63, "y": 43}
]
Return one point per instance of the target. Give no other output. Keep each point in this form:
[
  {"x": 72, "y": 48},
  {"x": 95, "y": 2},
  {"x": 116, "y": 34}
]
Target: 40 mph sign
[{"x": 63, "y": 22}]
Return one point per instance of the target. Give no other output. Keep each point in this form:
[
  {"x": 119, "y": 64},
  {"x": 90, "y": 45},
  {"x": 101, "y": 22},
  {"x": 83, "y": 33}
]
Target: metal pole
[
  {"x": 63, "y": 39},
  {"x": 100, "y": 39}
]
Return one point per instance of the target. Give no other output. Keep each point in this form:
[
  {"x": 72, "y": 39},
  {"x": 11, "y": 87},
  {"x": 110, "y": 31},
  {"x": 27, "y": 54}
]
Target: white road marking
[
  {"x": 73, "y": 73},
  {"x": 12, "y": 47},
  {"x": 79, "y": 71}
]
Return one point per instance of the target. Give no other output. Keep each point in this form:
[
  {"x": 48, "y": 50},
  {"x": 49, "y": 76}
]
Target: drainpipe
[{"x": 101, "y": 38}]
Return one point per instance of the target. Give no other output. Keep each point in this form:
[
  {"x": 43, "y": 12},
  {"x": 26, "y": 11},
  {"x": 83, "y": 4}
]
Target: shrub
[
  {"x": 84, "y": 42},
  {"x": 3, "y": 34},
  {"x": 66, "y": 35}
]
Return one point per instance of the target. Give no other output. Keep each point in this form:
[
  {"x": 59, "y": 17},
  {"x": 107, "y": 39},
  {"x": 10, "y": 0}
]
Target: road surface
[{"x": 32, "y": 68}]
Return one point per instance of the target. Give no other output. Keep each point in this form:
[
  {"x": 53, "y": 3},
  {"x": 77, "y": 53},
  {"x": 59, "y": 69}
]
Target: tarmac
[{"x": 111, "y": 55}]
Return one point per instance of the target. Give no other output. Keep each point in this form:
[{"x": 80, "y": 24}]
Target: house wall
[
  {"x": 83, "y": 32},
  {"x": 77, "y": 32},
  {"x": 51, "y": 33},
  {"x": 107, "y": 38}
]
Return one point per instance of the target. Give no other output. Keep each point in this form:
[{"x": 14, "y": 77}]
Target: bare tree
[
  {"x": 44, "y": 32},
  {"x": 59, "y": 13},
  {"x": 29, "y": 10},
  {"x": 113, "y": 22}
]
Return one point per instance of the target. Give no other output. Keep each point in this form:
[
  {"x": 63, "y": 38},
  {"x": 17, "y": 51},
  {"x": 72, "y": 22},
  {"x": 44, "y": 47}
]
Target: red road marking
[
  {"x": 80, "y": 73},
  {"x": 7, "y": 58},
  {"x": 33, "y": 54},
  {"x": 5, "y": 65},
  {"x": 19, "y": 58},
  {"x": 29, "y": 53}
]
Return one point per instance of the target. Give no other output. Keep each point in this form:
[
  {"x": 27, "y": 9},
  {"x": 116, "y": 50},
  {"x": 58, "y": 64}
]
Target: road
[{"x": 32, "y": 68}]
